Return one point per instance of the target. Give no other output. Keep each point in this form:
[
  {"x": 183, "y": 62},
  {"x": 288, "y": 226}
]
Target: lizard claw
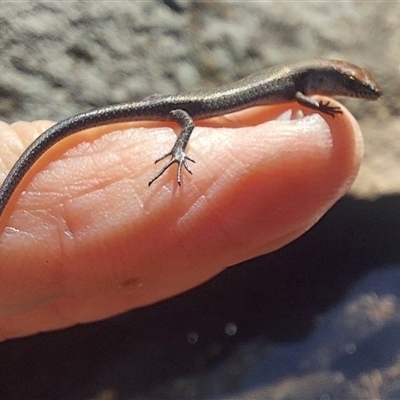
[
  {"x": 330, "y": 110},
  {"x": 179, "y": 157}
]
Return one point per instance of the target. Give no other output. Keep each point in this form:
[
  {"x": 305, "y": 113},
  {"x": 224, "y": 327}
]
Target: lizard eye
[{"x": 351, "y": 82}]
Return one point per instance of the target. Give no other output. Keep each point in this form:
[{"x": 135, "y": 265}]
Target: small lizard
[{"x": 279, "y": 84}]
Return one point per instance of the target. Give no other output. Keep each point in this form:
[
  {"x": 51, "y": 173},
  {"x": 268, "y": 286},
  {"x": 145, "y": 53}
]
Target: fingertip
[{"x": 276, "y": 179}]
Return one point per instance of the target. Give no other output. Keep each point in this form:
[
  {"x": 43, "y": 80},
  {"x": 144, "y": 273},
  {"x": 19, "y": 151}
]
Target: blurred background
[{"x": 318, "y": 319}]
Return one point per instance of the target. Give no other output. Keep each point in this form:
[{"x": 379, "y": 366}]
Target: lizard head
[{"x": 340, "y": 78}]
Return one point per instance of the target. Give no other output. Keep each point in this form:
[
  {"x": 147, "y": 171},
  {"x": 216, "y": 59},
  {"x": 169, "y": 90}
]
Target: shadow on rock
[{"x": 278, "y": 297}]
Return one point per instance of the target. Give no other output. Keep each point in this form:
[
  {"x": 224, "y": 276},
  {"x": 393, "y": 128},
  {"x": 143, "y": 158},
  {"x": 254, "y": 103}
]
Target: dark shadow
[
  {"x": 174, "y": 6},
  {"x": 276, "y": 297}
]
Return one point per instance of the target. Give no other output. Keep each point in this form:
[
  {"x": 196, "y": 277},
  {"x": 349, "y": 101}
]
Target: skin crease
[{"x": 85, "y": 238}]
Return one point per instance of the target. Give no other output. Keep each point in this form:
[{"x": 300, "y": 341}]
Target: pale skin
[{"x": 84, "y": 238}]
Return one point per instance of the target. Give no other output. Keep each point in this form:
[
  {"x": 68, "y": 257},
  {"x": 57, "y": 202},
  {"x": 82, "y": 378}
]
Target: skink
[{"x": 280, "y": 84}]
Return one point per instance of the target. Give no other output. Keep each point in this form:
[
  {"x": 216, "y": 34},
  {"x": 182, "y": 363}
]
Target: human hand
[{"x": 85, "y": 238}]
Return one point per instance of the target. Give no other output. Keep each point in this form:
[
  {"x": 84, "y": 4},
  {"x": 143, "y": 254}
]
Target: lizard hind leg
[{"x": 177, "y": 153}]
